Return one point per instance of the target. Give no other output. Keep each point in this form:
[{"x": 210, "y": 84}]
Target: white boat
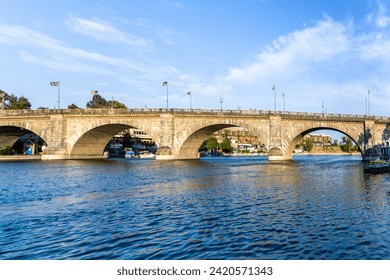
[{"x": 146, "y": 155}]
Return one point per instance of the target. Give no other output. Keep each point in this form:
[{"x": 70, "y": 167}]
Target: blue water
[{"x": 314, "y": 207}]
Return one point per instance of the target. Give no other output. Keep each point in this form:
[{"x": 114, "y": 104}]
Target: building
[
  {"x": 319, "y": 140},
  {"x": 241, "y": 139},
  {"x": 136, "y": 134}
]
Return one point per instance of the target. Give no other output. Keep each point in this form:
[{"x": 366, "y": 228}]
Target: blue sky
[{"x": 314, "y": 52}]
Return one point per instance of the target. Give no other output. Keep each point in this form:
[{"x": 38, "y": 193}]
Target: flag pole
[
  {"x": 59, "y": 95},
  {"x": 57, "y": 84},
  {"x": 165, "y": 84},
  {"x": 190, "y": 94},
  {"x": 274, "y": 89}
]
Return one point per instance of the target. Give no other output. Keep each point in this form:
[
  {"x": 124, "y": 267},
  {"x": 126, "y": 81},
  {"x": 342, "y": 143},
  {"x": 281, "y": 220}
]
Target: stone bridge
[{"x": 178, "y": 133}]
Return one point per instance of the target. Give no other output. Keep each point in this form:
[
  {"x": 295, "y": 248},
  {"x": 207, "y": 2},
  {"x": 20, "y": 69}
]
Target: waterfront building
[
  {"x": 319, "y": 140},
  {"x": 138, "y": 134},
  {"x": 241, "y": 139}
]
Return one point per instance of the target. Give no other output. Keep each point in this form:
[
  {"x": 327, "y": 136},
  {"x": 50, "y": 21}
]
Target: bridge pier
[
  {"x": 172, "y": 157},
  {"x": 276, "y": 154},
  {"x": 64, "y": 157},
  {"x": 279, "y": 158}
]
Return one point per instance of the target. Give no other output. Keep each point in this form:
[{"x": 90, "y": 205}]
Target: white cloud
[
  {"x": 295, "y": 53},
  {"x": 104, "y": 31},
  {"x": 62, "y": 56},
  {"x": 329, "y": 62},
  {"x": 382, "y": 20},
  {"x": 64, "y": 63}
]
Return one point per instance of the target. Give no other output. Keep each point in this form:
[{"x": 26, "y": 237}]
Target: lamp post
[
  {"x": 365, "y": 99},
  {"x": 274, "y": 89},
  {"x": 369, "y": 103},
  {"x": 165, "y": 84},
  {"x": 221, "y": 101},
  {"x": 284, "y": 104},
  {"x": 190, "y": 94},
  {"x": 57, "y": 84}
]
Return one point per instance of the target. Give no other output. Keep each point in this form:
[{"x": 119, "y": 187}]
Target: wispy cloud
[
  {"x": 174, "y": 4},
  {"x": 66, "y": 64},
  {"x": 328, "y": 62},
  {"x": 59, "y": 54},
  {"x": 295, "y": 53},
  {"x": 104, "y": 31},
  {"x": 382, "y": 20}
]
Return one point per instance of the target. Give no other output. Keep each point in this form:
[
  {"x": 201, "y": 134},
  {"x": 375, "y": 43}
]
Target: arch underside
[
  {"x": 92, "y": 143},
  {"x": 191, "y": 145},
  {"x": 289, "y": 150},
  {"x": 9, "y": 135}
]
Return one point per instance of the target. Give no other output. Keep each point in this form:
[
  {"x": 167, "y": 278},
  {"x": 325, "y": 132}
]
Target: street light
[
  {"x": 190, "y": 94},
  {"x": 165, "y": 84},
  {"x": 274, "y": 89},
  {"x": 221, "y": 101},
  {"x": 57, "y": 84},
  {"x": 365, "y": 99},
  {"x": 284, "y": 104},
  {"x": 369, "y": 103}
]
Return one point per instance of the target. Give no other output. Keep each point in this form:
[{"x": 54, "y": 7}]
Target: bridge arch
[
  {"x": 10, "y": 134},
  {"x": 287, "y": 152},
  {"x": 90, "y": 140},
  {"x": 189, "y": 140},
  {"x": 190, "y": 147}
]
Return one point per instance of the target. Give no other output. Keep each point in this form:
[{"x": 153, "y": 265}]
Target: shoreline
[
  {"x": 16, "y": 158},
  {"x": 20, "y": 158},
  {"x": 328, "y": 154}
]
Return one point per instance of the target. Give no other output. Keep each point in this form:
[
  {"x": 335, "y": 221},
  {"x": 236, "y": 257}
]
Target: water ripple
[{"x": 225, "y": 208}]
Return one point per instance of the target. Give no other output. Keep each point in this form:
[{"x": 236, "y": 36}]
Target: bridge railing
[{"x": 104, "y": 111}]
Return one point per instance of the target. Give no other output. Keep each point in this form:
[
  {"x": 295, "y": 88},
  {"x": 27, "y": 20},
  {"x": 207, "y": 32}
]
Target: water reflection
[{"x": 218, "y": 208}]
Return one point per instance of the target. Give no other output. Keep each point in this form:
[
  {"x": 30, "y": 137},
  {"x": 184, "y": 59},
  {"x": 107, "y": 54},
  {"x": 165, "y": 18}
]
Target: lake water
[{"x": 314, "y": 207}]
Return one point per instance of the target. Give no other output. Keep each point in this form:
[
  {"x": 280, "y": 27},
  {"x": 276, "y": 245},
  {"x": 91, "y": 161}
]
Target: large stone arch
[
  {"x": 11, "y": 133},
  {"x": 190, "y": 138},
  {"x": 91, "y": 144},
  {"x": 90, "y": 140},
  {"x": 297, "y": 139},
  {"x": 297, "y": 132}
]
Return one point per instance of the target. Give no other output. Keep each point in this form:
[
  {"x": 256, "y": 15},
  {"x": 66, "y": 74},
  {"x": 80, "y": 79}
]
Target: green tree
[
  {"x": 5, "y": 150},
  {"x": 203, "y": 147},
  {"x": 309, "y": 144},
  {"x": 117, "y": 105},
  {"x": 3, "y": 95},
  {"x": 347, "y": 147},
  {"x": 226, "y": 146},
  {"x": 212, "y": 143},
  {"x": 97, "y": 102},
  {"x": 11, "y": 101},
  {"x": 73, "y": 106},
  {"x": 14, "y": 102}
]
